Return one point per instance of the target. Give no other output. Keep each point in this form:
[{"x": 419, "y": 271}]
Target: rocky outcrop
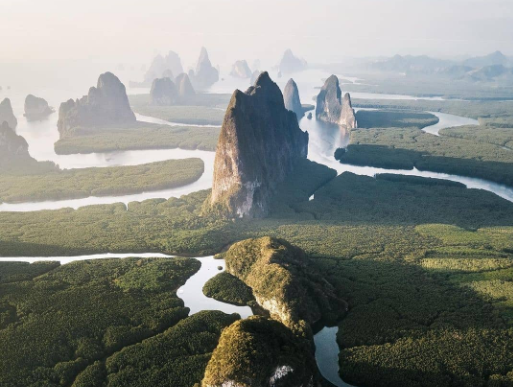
[
  {"x": 292, "y": 100},
  {"x": 7, "y": 114},
  {"x": 258, "y": 146},
  {"x": 13, "y": 148},
  {"x": 163, "y": 92},
  {"x": 258, "y": 352},
  {"x": 284, "y": 282},
  {"x": 36, "y": 108},
  {"x": 184, "y": 86},
  {"x": 205, "y": 74},
  {"x": 105, "y": 104},
  {"x": 332, "y": 108},
  {"x": 240, "y": 69},
  {"x": 291, "y": 64},
  {"x": 163, "y": 67}
]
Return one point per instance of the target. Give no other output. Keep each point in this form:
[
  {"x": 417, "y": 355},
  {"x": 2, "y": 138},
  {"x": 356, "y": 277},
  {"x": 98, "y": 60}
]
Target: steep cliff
[
  {"x": 205, "y": 74},
  {"x": 332, "y": 108},
  {"x": 291, "y": 64},
  {"x": 284, "y": 282},
  {"x": 292, "y": 100},
  {"x": 13, "y": 148},
  {"x": 36, "y": 108},
  {"x": 184, "y": 86},
  {"x": 258, "y": 352},
  {"x": 7, "y": 114},
  {"x": 105, "y": 104},
  {"x": 240, "y": 69},
  {"x": 163, "y": 92},
  {"x": 258, "y": 146}
]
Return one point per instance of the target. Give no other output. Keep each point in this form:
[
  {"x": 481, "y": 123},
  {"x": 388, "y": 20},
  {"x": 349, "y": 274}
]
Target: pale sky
[{"x": 132, "y": 31}]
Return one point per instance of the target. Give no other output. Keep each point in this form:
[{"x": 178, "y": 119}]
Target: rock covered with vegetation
[
  {"x": 36, "y": 108},
  {"x": 259, "y": 144},
  {"x": 13, "y": 148},
  {"x": 7, "y": 114},
  {"x": 225, "y": 287},
  {"x": 240, "y": 69},
  {"x": 291, "y": 64},
  {"x": 163, "y": 92},
  {"x": 259, "y": 352},
  {"x": 292, "y": 100},
  {"x": 283, "y": 281},
  {"x": 105, "y": 104},
  {"x": 332, "y": 108},
  {"x": 205, "y": 74}
]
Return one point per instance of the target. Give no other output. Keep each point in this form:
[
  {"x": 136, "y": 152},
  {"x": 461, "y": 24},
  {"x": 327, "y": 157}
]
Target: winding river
[{"x": 324, "y": 140}]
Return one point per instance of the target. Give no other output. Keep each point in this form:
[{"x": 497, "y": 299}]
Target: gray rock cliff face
[
  {"x": 163, "y": 92},
  {"x": 205, "y": 74},
  {"x": 290, "y": 63},
  {"x": 36, "y": 108},
  {"x": 105, "y": 104},
  {"x": 240, "y": 69},
  {"x": 254, "y": 76},
  {"x": 332, "y": 108},
  {"x": 292, "y": 100},
  {"x": 7, "y": 114},
  {"x": 260, "y": 141}
]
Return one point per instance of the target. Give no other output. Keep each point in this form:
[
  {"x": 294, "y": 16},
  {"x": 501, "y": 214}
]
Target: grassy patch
[{"x": 394, "y": 119}]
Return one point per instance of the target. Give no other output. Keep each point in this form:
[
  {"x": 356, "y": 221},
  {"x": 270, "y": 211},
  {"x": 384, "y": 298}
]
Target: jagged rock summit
[
  {"x": 36, "y": 108},
  {"x": 164, "y": 67},
  {"x": 291, "y": 64},
  {"x": 332, "y": 108},
  {"x": 292, "y": 100},
  {"x": 240, "y": 69},
  {"x": 105, "y": 104},
  {"x": 7, "y": 114},
  {"x": 206, "y": 74},
  {"x": 184, "y": 85},
  {"x": 259, "y": 143}
]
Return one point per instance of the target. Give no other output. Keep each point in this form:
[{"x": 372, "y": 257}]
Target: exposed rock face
[
  {"x": 184, "y": 86},
  {"x": 292, "y": 101},
  {"x": 290, "y": 63},
  {"x": 106, "y": 104},
  {"x": 36, "y": 108},
  {"x": 330, "y": 106},
  {"x": 7, "y": 115},
  {"x": 254, "y": 76},
  {"x": 205, "y": 75},
  {"x": 163, "y": 92},
  {"x": 13, "y": 148},
  {"x": 162, "y": 67},
  {"x": 258, "y": 352},
  {"x": 240, "y": 69},
  {"x": 283, "y": 281},
  {"x": 260, "y": 141}
]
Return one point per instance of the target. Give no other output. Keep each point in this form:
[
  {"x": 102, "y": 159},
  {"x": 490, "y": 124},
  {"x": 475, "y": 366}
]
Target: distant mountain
[
  {"x": 493, "y": 59},
  {"x": 411, "y": 64},
  {"x": 491, "y": 73}
]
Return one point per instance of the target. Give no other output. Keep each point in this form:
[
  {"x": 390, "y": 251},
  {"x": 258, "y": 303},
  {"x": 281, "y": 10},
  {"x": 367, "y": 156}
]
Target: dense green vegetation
[
  {"x": 491, "y": 135},
  {"x": 57, "y": 322},
  {"x": 195, "y": 115},
  {"x": 407, "y": 148},
  {"x": 54, "y": 184},
  {"x": 227, "y": 288},
  {"x": 424, "y": 264},
  {"x": 139, "y": 136},
  {"x": 394, "y": 119}
]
